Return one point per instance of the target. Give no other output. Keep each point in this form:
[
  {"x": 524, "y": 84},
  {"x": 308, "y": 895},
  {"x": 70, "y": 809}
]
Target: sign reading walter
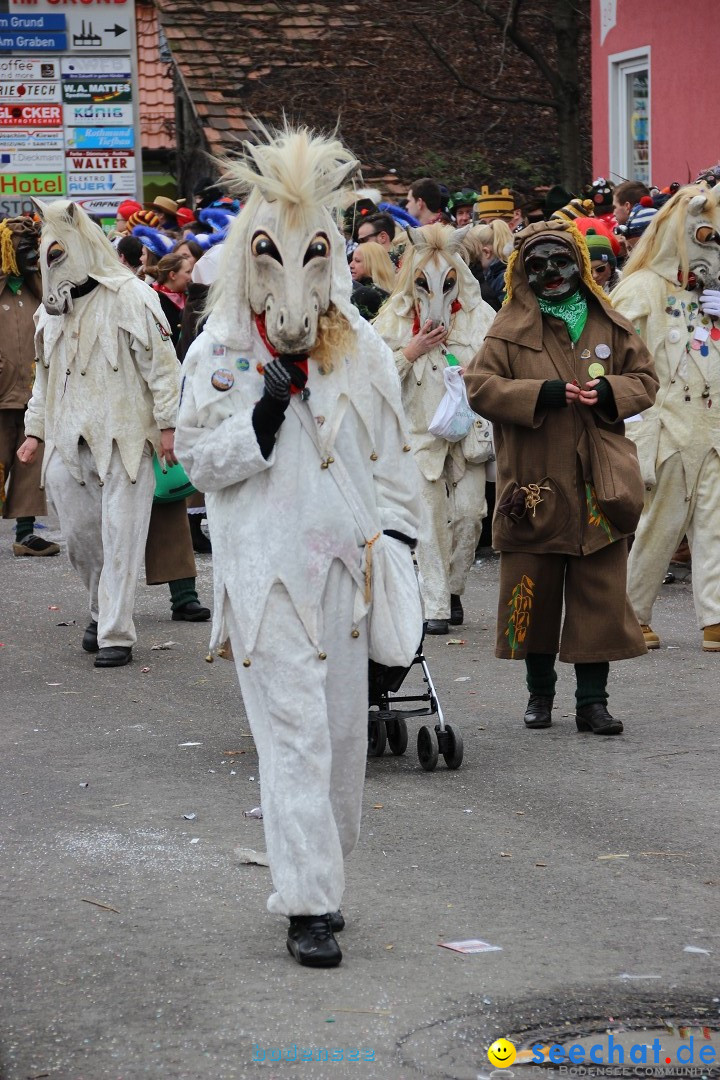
[
  {"x": 96, "y": 93},
  {"x": 113, "y": 161}
]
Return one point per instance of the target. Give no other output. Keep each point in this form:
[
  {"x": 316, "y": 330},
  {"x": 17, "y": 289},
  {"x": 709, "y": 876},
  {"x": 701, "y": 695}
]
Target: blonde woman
[
  {"x": 488, "y": 249},
  {"x": 371, "y": 264}
]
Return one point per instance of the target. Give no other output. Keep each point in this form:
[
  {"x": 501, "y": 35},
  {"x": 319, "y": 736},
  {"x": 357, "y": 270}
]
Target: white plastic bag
[
  {"x": 453, "y": 417},
  {"x": 395, "y": 619}
]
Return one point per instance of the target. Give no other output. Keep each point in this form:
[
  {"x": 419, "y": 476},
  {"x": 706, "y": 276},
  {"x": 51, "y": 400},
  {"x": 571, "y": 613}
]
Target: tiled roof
[
  {"x": 223, "y": 47},
  {"x": 157, "y": 101}
]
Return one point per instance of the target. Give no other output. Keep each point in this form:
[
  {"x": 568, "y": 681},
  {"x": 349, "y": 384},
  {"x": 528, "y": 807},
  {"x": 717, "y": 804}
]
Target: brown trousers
[
  {"x": 169, "y": 551},
  {"x": 599, "y": 623},
  {"x": 24, "y": 497}
]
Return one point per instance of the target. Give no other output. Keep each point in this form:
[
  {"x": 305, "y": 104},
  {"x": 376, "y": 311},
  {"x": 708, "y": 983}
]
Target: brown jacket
[
  {"x": 17, "y": 341},
  {"x": 568, "y": 479}
]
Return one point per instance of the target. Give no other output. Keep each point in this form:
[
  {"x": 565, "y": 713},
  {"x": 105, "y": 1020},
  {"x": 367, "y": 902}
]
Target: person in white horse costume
[
  {"x": 106, "y": 392},
  {"x": 671, "y": 292},
  {"x": 291, "y": 412},
  {"x": 435, "y": 318}
]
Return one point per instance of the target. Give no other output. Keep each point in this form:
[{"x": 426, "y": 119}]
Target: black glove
[{"x": 279, "y": 375}]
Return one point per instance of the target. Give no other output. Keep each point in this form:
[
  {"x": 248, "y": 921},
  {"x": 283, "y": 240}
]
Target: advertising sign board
[
  {"x": 16, "y": 184},
  {"x": 99, "y": 138}
]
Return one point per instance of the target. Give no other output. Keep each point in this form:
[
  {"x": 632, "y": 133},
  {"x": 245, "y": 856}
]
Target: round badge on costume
[
  {"x": 242, "y": 364},
  {"x": 602, "y": 351},
  {"x": 222, "y": 379},
  {"x": 596, "y": 371},
  {"x": 673, "y": 336}
]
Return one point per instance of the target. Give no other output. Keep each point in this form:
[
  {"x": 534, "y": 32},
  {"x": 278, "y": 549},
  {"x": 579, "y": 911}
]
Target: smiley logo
[{"x": 502, "y": 1053}]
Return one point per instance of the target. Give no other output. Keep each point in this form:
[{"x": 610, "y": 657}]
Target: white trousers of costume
[
  {"x": 105, "y": 526},
  {"x": 452, "y": 515},
  {"x": 668, "y": 515},
  {"x": 308, "y": 718}
]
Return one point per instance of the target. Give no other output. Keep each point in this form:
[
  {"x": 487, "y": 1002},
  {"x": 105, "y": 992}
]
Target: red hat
[
  {"x": 600, "y": 228},
  {"x": 125, "y": 209},
  {"x": 184, "y": 216}
]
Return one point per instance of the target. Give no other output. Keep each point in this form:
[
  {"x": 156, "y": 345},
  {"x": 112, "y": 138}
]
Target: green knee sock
[
  {"x": 591, "y": 683},
  {"x": 23, "y": 527},
  {"x": 182, "y": 591},
  {"x": 540, "y": 673}
]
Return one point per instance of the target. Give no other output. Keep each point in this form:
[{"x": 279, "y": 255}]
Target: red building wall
[{"x": 684, "y": 85}]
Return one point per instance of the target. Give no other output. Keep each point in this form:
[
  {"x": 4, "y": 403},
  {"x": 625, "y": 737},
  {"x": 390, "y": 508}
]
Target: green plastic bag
[{"x": 172, "y": 484}]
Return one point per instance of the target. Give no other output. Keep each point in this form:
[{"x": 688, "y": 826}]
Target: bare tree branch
[
  {"x": 477, "y": 90},
  {"x": 523, "y": 43}
]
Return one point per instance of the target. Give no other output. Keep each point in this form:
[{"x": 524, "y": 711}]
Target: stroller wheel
[
  {"x": 377, "y": 738},
  {"x": 452, "y": 749},
  {"x": 427, "y": 748},
  {"x": 397, "y": 734}
]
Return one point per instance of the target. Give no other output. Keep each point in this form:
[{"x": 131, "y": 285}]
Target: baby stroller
[{"x": 387, "y": 725}]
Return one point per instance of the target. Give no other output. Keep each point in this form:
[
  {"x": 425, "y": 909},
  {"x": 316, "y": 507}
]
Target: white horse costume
[
  {"x": 678, "y": 440},
  {"x": 435, "y": 283},
  {"x": 288, "y": 556},
  {"x": 106, "y": 384}
]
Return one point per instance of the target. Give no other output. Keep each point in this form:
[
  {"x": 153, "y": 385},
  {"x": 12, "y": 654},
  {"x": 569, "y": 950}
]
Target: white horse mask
[
  {"x": 435, "y": 253},
  {"x": 684, "y": 235},
  {"x": 74, "y": 253},
  {"x": 284, "y": 259}
]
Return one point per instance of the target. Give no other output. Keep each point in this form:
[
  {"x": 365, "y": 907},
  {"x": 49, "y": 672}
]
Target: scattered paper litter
[
  {"x": 144, "y": 670},
  {"x": 626, "y": 977},
  {"x": 195, "y": 840},
  {"x": 600, "y": 857},
  {"x": 472, "y": 945},
  {"x": 255, "y": 813},
  {"x": 189, "y": 744},
  {"x": 248, "y": 857},
  {"x": 67, "y": 622},
  {"x": 696, "y": 950},
  {"x": 190, "y": 817},
  {"x": 463, "y": 678},
  {"x": 53, "y": 607},
  {"x": 165, "y": 645},
  {"x": 455, "y": 641}
]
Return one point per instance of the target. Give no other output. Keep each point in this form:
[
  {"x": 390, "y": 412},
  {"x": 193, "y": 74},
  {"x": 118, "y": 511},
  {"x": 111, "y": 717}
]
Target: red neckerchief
[
  {"x": 691, "y": 282},
  {"x": 455, "y": 306},
  {"x": 177, "y": 298},
  {"x": 302, "y": 364}
]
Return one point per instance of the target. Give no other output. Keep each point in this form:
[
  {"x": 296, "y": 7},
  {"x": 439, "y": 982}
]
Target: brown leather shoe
[{"x": 35, "y": 545}]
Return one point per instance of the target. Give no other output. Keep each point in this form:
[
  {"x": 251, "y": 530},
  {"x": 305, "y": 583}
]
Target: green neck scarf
[{"x": 573, "y": 311}]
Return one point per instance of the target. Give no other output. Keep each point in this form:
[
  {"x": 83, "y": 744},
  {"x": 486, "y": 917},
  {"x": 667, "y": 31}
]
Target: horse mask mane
[
  {"x": 73, "y": 249},
  {"x": 284, "y": 259},
  {"x": 682, "y": 244}
]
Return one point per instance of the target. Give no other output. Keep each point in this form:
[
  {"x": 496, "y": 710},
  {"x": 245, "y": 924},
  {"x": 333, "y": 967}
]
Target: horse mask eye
[
  {"x": 54, "y": 252},
  {"x": 263, "y": 245},
  {"x": 706, "y": 235},
  {"x": 450, "y": 281},
  {"x": 318, "y": 249},
  {"x": 421, "y": 283}
]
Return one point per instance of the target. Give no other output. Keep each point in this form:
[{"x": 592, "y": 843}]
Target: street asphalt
[{"x": 134, "y": 944}]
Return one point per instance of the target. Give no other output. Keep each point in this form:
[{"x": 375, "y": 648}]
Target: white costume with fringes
[
  {"x": 287, "y": 559},
  {"x": 453, "y": 490},
  {"x": 107, "y": 382}
]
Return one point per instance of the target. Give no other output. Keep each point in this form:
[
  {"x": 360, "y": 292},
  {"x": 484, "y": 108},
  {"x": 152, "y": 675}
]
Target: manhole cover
[{"x": 586, "y": 1034}]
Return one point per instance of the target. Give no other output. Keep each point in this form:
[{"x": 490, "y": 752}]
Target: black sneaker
[
  {"x": 457, "y": 615},
  {"x": 35, "y": 545},
  {"x": 310, "y": 940}
]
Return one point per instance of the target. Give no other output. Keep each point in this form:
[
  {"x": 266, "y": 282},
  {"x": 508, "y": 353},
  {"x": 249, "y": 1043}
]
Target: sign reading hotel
[{"x": 69, "y": 120}]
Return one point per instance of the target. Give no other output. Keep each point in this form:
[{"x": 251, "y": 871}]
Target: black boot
[
  {"x": 89, "y": 641},
  {"x": 113, "y": 656},
  {"x": 457, "y": 615},
  {"x": 437, "y": 626},
  {"x": 337, "y": 921},
  {"x": 538, "y": 713},
  {"x": 200, "y": 542},
  {"x": 310, "y": 940},
  {"x": 597, "y": 719}
]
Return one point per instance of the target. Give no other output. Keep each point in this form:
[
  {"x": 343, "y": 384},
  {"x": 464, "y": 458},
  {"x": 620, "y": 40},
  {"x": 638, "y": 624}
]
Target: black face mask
[
  {"x": 27, "y": 254},
  {"x": 552, "y": 270}
]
